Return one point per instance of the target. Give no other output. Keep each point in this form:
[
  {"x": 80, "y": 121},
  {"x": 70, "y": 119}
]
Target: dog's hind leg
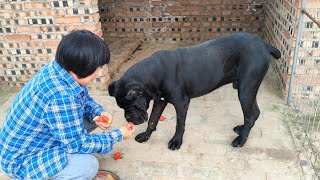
[
  {"x": 251, "y": 113},
  {"x": 247, "y": 91},
  {"x": 158, "y": 107},
  {"x": 238, "y": 129}
]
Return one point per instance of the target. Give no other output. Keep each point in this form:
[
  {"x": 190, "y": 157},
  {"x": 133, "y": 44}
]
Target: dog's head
[{"x": 133, "y": 98}]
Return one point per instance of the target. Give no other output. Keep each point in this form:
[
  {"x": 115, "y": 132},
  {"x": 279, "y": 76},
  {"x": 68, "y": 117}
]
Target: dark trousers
[{"x": 88, "y": 125}]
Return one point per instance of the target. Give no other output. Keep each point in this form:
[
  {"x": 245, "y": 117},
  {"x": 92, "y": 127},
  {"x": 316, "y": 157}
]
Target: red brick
[
  {"x": 235, "y": 24},
  {"x": 216, "y": 1},
  {"x": 226, "y": 12},
  {"x": 166, "y": 24},
  {"x": 156, "y": 13},
  {"x": 186, "y": 24},
  {"x": 52, "y": 43},
  {"x": 130, "y": 35},
  {"x": 87, "y": 27},
  {"x": 148, "y": 25},
  {"x": 67, "y": 20},
  {"x": 28, "y": 29},
  {"x": 176, "y": 35},
  {"x": 120, "y": 25},
  {"x": 7, "y": 6},
  {"x": 195, "y": 13},
  {"x": 185, "y": 2},
  {"x": 31, "y": 13},
  {"x": 113, "y": 34},
  {"x": 17, "y": 7},
  {"x": 206, "y": 24},
  {"x": 167, "y": 34},
  {"x": 9, "y": 66},
  {"x": 287, "y": 34},
  {"x": 157, "y": 34},
  {"x": 156, "y": 3},
  {"x": 195, "y": 8},
  {"x": 18, "y": 37},
  {"x": 5, "y": 15},
  {"x": 88, "y": 2},
  {"x": 36, "y": 5},
  {"x": 247, "y": 13},
  {"x": 133, "y": 24},
  {"x": 36, "y": 44},
  {"x": 176, "y": 13},
  {"x": 185, "y": 13},
  {"x": 176, "y": 24},
  {"x": 175, "y": 8}
]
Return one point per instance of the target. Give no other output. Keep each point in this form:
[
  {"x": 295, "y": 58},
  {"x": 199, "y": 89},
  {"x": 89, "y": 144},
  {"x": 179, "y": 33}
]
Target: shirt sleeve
[
  {"x": 91, "y": 109},
  {"x": 64, "y": 117}
]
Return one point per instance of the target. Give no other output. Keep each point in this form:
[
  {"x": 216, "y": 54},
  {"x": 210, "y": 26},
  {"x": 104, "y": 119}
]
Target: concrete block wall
[
  {"x": 30, "y": 32},
  {"x": 179, "y": 20}
]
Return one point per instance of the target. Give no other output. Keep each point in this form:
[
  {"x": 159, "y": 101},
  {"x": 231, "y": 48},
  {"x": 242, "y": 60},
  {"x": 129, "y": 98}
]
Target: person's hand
[
  {"x": 102, "y": 125},
  {"x": 127, "y": 131}
]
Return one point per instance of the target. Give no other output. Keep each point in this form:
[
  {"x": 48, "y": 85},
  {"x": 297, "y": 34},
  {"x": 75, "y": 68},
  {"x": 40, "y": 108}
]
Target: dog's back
[{"x": 215, "y": 62}]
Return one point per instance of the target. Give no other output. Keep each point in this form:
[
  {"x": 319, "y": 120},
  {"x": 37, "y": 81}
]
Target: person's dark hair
[{"x": 82, "y": 52}]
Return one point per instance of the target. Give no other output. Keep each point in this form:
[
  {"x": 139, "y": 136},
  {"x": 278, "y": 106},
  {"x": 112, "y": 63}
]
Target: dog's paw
[
  {"x": 239, "y": 141},
  {"x": 175, "y": 144},
  {"x": 238, "y": 129},
  {"x": 142, "y": 137}
]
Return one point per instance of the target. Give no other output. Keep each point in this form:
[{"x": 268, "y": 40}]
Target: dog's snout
[{"x": 128, "y": 117}]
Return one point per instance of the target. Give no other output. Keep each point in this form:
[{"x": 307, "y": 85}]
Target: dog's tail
[{"x": 273, "y": 51}]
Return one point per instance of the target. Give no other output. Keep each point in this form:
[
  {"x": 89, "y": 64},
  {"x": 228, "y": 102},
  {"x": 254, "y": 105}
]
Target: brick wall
[
  {"x": 179, "y": 20},
  {"x": 31, "y": 30},
  {"x": 281, "y": 17}
]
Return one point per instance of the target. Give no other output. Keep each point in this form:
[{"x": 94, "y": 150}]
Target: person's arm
[
  {"x": 64, "y": 117},
  {"x": 92, "y": 109}
]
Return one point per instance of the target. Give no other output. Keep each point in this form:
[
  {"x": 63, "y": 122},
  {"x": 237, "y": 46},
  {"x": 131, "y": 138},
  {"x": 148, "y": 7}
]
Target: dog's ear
[
  {"x": 134, "y": 91},
  {"x": 111, "y": 88}
]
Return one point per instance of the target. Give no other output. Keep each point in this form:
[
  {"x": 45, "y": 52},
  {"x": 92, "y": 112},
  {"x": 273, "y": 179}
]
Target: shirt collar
[{"x": 67, "y": 78}]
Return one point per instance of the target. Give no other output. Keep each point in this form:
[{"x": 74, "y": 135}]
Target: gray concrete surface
[{"x": 206, "y": 153}]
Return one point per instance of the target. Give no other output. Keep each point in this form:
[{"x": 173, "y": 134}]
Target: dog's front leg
[
  {"x": 181, "y": 109},
  {"x": 157, "y": 110}
]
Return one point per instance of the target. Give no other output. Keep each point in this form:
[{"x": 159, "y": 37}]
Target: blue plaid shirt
[{"x": 45, "y": 122}]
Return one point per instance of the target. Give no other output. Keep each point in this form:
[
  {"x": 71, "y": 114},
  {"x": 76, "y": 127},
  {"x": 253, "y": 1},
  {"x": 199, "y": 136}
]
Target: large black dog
[{"x": 176, "y": 76}]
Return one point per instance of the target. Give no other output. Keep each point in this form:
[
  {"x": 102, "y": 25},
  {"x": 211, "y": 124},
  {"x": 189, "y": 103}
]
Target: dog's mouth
[{"x": 136, "y": 116}]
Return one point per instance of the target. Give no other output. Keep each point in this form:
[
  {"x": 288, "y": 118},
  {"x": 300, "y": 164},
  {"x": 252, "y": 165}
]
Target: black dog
[{"x": 176, "y": 76}]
